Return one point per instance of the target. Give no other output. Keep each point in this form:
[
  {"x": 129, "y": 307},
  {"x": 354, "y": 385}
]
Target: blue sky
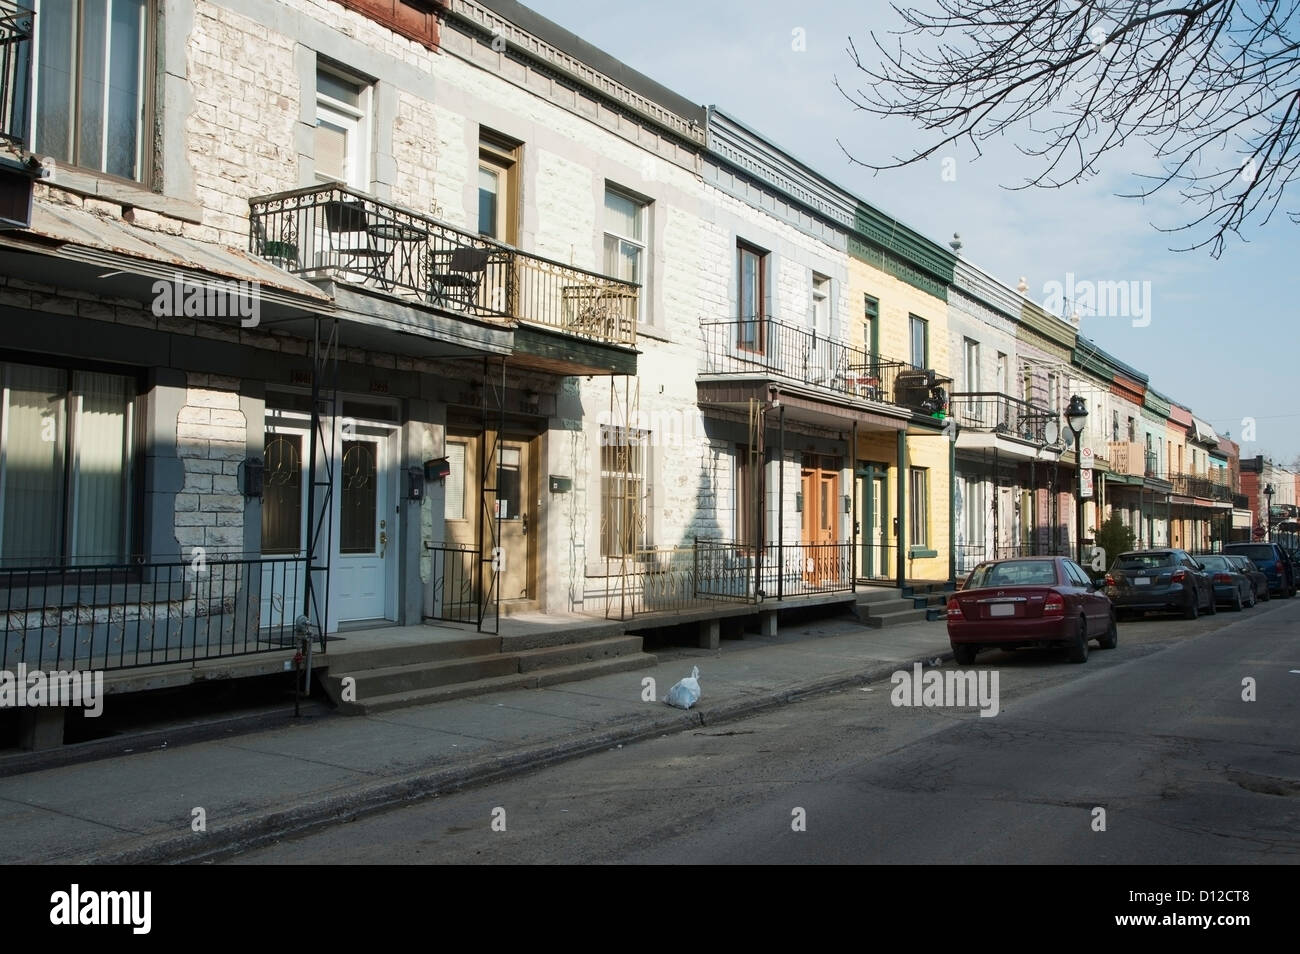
[{"x": 1220, "y": 332}]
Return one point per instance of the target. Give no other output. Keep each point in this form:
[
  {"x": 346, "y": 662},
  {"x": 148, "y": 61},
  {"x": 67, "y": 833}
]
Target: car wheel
[
  {"x": 1214, "y": 607},
  {"x": 1237, "y": 605},
  {"x": 1111, "y": 639},
  {"x": 1078, "y": 648},
  {"x": 1193, "y": 607},
  {"x": 1267, "y": 595},
  {"x": 1253, "y": 599},
  {"x": 964, "y": 653}
]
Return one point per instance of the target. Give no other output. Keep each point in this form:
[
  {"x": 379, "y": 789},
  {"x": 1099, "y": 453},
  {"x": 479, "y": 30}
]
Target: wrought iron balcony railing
[
  {"x": 336, "y": 232},
  {"x": 765, "y": 346},
  {"x": 16, "y": 25},
  {"x": 1202, "y": 486},
  {"x": 1002, "y": 414}
]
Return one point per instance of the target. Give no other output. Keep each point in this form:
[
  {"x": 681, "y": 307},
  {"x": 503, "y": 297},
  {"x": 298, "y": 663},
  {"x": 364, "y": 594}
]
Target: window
[
  {"x": 1002, "y": 374},
  {"x": 971, "y": 356},
  {"x": 453, "y": 507},
  {"x": 1053, "y": 393},
  {"x": 821, "y": 305},
  {"x": 871, "y": 326},
  {"x": 746, "y": 522},
  {"x": 341, "y": 129},
  {"x": 67, "y": 478},
  {"x": 919, "y": 507},
  {"x": 91, "y": 92},
  {"x": 282, "y": 501},
  {"x": 624, "y": 459},
  {"x": 1132, "y": 433},
  {"x": 974, "y": 509},
  {"x": 750, "y": 297},
  {"x": 920, "y": 337},
  {"x": 625, "y": 250},
  {"x": 498, "y": 187},
  {"x": 1114, "y": 425}
]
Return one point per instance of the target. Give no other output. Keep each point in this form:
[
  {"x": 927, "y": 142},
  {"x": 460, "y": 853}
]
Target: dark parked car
[
  {"x": 1034, "y": 601},
  {"x": 1231, "y": 585},
  {"x": 1257, "y": 577},
  {"x": 1269, "y": 558},
  {"x": 1163, "y": 581}
]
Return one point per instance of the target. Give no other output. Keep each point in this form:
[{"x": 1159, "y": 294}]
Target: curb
[{"x": 259, "y": 829}]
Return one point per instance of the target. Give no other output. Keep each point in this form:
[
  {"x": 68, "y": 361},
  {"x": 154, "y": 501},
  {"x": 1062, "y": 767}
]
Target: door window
[
  {"x": 359, "y": 497},
  {"x": 509, "y": 484},
  {"x": 282, "y": 494}
]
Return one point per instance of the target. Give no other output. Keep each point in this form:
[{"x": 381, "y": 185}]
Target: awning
[
  {"x": 115, "y": 249},
  {"x": 1204, "y": 432}
]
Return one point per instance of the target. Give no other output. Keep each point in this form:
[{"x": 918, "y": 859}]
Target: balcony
[
  {"x": 338, "y": 233},
  {"x": 15, "y": 72},
  {"x": 1127, "y": 458},
  {"x": 1201, "y": 486},
  {"x": 771, "y": 349},
  {"x": 1002, "y": 414}
]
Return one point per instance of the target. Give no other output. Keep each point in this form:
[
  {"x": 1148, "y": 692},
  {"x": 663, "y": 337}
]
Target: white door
[{"x": 366, "y": 528}]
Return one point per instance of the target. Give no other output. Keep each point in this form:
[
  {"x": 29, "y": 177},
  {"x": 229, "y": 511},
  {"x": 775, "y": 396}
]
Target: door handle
[{"x": 383, "y": 539}]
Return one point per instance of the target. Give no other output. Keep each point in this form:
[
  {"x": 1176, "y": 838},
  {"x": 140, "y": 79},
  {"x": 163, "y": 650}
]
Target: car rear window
[
  {"x": 1215, "y": 562},
  {"x": 1143, "y": 561},
  {"x": 1256, "y": 551},
  {"x": 1014, "y": 573}
]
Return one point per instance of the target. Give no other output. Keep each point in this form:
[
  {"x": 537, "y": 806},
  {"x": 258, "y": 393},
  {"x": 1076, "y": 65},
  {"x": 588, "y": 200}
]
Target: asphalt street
[{"x": 1157, "y": 752}]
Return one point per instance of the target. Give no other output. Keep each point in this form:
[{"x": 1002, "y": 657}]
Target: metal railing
[
  {"x": 1002, "y": 414},
  {"x": 877, "y": 561},
  {"x": 1198, "y": 485},
  {"x": 806, "y": 569},
  {"x": 455, "y": 572},
  {"x": 336, "y": 232},
  {"x": 1152, "y": 468},
  {"x": 765, "y": 346},
  {"x": 146, "y": 614},
  {"x": 971, "y": 555},
  {"x": 16, "y": 26}
]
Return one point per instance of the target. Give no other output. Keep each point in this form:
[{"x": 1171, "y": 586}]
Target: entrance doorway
[
  {"x": 871, "y": 536},
  {"x": 363, "y": 559},
  {"x": 821, "y": 491}
]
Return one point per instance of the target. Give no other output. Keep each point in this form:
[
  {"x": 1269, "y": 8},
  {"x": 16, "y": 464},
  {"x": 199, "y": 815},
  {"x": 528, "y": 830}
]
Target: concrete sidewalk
[{"x": 257, "y": 787}]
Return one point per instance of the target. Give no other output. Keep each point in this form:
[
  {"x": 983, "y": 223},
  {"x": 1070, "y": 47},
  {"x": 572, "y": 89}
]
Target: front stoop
[
  {"x": 420, "y": 674},
  {"x": 886, "y": 606}
]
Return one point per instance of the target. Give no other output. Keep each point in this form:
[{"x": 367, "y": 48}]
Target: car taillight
[
  {"x": 1278, "y": 566},
  {"x": 1055, "y": 604},
  {"x": 1110, "y": 580},
  {"x": 1178, "y": 577},
  {"x": 1222, "y": 578},
  {"x": 954, "y": 608}
]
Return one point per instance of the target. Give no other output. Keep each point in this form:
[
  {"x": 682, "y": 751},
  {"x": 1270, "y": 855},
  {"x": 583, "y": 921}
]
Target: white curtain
[
  {"x": 101, "y": 511},
  {"x": 34, "y": 433}
]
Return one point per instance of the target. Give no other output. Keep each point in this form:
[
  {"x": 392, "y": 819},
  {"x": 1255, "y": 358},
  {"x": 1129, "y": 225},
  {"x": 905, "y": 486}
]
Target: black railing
[
  {"x": 877, "y": 561},
  {"x": 771, "y": 348},
  {"x": 806, "y": 569},
  {"x": 455, "y": 572},
  {"x": 129, "y": 615},
  {"x": 15, "y": 72},
  {"x": 971, "y": 555},
  {"x": 1153, "y": 466},
  {"x": 332, "y": 231},
  {"x": 1002, "y": 414},
  {"x": 1196, "y": 485},
  {"x": 1240, "y": 502}
]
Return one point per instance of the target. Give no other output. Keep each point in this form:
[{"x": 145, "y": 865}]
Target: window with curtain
[
  {"x": 625, "y": 241},
  {"x": 920, "y": 341},
  {"x": 919, "y": 508},
  {"x": 750, "y": 298},
  {"x": 624, "y": 479},
  {"x": 91, "y": 83},
  {"x": 66, "y": 474},
  {"x": 454, "y": 506}
]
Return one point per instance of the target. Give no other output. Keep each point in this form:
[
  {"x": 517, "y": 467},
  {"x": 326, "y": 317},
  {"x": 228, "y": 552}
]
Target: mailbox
[{"x": 561, "y": 485}]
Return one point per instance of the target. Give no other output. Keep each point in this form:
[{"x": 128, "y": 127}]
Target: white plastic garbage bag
[{"x": 686, "y": 693}]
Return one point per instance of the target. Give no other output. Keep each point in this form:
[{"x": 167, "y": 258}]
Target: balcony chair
[
  {"x": 352, "y": 244},
  {"x": 457, "y": 275}
]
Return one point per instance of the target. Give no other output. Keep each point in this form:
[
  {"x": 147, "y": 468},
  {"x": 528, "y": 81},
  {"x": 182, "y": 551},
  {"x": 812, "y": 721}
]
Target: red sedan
[{"x": 1029, "y": 601}]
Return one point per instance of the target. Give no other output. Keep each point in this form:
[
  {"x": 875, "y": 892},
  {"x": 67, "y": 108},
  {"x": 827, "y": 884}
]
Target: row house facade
[{"x": 336, "y": 314}]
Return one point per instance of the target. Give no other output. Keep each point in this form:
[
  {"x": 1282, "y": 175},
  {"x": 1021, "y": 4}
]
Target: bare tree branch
[{"x": 1211, "y": 88}]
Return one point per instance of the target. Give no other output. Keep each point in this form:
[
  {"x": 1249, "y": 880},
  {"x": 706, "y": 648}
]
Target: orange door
[{"x": 820, "y": 482}]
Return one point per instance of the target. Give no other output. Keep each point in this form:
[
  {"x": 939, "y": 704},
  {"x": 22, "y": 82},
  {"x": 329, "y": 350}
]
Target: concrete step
[
  {"x": 863, "y": 610},
  {"x": 893, "y": 619},
  {"x": 877, "y": 594},
  {"x": 535, "y": 679},
  {"x": 566, "y": 636},
  {"x": 421, "y": 675},
  {"x": 572, "y": 654},
  {"x": 936, "y": 613},
  {"x": 433, "y": 650}
]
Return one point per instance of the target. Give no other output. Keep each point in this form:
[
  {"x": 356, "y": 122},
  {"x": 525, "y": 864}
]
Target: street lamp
[
  {"x": 1268, "y": 515},
  {"x": 1076, "y": 414}
]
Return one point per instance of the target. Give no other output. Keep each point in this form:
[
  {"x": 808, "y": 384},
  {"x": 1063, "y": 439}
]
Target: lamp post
[
  {"x": 1076, "y": 414},
  {"x": 1268, "y": 514}
]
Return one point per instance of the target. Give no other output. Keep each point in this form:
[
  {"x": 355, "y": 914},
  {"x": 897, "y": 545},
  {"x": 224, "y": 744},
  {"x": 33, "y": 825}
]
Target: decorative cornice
[{"x": 567, "y": 67}]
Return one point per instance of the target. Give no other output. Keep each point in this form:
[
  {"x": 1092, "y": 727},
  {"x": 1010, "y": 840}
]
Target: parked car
[
  {"x": 1029, "y": 601},
  {"x": 1231, "y": 585},
  {"x": 1256, "y": 575},
  {"x": 1269, "y": 558},
  {"x": 1163, "y": 581}
]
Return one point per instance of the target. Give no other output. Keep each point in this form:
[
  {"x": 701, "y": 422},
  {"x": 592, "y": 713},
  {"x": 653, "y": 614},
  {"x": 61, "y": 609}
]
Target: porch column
[
  {"x": 901, "y": 509},
  {"x": 952, "y": 511}
]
